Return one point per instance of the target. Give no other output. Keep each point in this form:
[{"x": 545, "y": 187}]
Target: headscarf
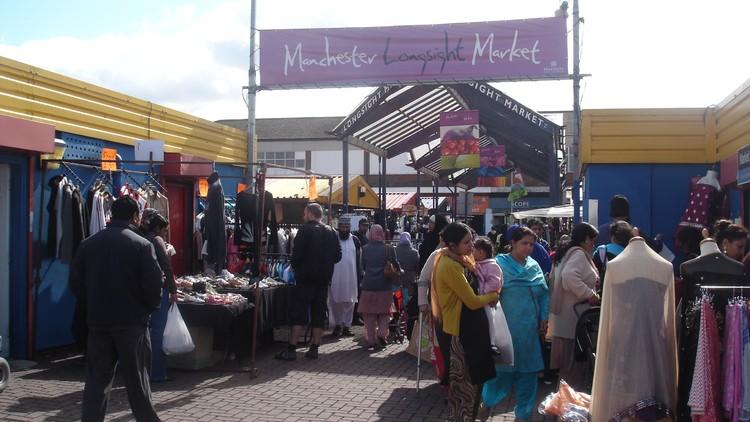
[
  {"x": 376, "y": 233},
  {"x": 405, "y": 239},
  {"x": 515, "y": 274},
  {"x": 538, "y": 253}
]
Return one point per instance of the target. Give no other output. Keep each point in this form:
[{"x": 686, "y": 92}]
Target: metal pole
[
  {"x": 576, "y": 111},
  {"x": 252, "y": 88},
  {"x": 419, "y": 348},
  {"x": 466, "y": 206},
  {"x": 385, "y": 193},
  {"x": 419, "y": 207},
  {"x": 330, "y": 201},
  {"x": 345, "y": 187},
  {"x": 258, "y": 231}
]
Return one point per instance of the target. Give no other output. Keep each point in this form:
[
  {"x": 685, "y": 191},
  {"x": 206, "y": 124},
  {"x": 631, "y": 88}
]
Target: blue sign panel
[{"x": 743, "y": 165}]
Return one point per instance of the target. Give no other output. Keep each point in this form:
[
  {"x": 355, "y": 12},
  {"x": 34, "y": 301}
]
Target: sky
[{"x": 192, "y": 55}]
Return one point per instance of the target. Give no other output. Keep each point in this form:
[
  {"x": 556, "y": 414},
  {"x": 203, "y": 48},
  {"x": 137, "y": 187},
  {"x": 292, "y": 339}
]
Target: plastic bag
[
  {"x": 566, "y": 402},
  {"x": 177, "y": 338},
  {"x": 424, "y": 343},
  {"x": 500, "y": 338}
]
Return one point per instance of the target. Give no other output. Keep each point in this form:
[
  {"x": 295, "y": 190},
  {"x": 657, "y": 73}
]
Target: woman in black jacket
[{"x": 156, "y": 231}]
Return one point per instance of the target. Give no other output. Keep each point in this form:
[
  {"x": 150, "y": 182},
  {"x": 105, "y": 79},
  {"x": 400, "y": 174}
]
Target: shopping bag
[
  {"x": 177, "y": 338},
  {"x": 436, "y": 355},
  {"x": 500, "y": 335},
  {"x": 424, "y": 342}
]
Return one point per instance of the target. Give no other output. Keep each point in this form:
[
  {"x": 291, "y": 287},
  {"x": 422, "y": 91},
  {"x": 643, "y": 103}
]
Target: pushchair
[
  {"x": 587, "y": 330},
  {"x": 4, "y": 370},
  {"x": 398, "y": 324}
]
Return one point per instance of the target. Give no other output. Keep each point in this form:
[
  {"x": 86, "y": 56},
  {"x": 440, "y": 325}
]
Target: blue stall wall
[
  {"x": 55, "y": 303},
  {"x": 735, "y": 203},
  {"x": 230, "y": 177},
  {"x": 18, "y": 231},
  {"x": 657, "y": 193}
]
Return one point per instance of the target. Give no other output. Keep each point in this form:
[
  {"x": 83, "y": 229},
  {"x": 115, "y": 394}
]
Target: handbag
[{"x": 390, "y": 270}]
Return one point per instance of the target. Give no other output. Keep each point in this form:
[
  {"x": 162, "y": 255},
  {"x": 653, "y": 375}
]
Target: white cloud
[{"x": 641, "y": 53}]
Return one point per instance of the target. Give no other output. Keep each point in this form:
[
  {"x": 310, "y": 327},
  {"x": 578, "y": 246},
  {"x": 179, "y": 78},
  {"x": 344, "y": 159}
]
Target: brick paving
[{"x": 347, "y": 383}]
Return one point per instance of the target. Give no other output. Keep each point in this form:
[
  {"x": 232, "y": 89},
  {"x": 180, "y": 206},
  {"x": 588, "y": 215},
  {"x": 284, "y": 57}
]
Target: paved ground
[{"x": 346, "y": 384}]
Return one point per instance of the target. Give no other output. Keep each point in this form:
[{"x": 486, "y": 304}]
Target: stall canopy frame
[{"x": 393, "y": 120}]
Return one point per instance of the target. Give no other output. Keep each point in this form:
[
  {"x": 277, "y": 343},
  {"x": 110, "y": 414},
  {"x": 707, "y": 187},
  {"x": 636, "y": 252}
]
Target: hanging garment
[
  {"x": 246, "y": 218},
  {"x": 704, "y": 203},
  {"x": 214, "y": 228},
  {"x": 697, "y": 399},
  {"x": 732, "y": 366},
  {"x": 636, "y": 349},
  {"x": 344, "y": 280},
  {"x": 711, "y": 269},
  {"x": 745, "y": 402},
  {"x": 52, "y": 213},
  {"x": 59, "y": 205},
  {"x": 704, "y": 398}
]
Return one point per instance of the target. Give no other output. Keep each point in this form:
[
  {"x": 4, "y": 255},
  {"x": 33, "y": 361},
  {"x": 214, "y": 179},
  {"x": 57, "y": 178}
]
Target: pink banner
[{"x": 408, "y": 54}]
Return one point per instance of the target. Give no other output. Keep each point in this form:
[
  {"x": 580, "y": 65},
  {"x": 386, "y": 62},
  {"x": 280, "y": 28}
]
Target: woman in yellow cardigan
[{"x": 458, "y": 309}]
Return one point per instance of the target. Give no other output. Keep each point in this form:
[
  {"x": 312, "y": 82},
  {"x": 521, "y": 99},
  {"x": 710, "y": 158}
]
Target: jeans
[{"x": 158, "y": 322}]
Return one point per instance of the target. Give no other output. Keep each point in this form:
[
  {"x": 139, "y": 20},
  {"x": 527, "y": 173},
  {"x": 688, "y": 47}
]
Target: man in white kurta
[{"x": 343, "y": 291}]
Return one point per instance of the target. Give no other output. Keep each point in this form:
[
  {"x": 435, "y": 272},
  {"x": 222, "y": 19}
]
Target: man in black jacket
[
  {"x": 316, "y": 251},
  {"x": 116, "y": 274}
]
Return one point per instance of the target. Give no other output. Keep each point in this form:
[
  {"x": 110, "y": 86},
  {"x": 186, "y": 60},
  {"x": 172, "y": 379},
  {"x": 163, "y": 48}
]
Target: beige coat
[{"x": 577, "y": 278}]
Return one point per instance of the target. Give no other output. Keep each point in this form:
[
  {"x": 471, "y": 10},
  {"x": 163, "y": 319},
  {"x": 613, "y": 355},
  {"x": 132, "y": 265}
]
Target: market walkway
[{"x": 345, "y": 384}]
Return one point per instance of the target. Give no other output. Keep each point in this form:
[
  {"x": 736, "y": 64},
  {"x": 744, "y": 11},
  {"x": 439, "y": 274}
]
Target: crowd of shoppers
[{"x": 452, "y": 278}]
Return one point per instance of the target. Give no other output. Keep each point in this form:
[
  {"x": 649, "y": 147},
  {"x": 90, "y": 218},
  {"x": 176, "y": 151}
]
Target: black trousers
[{"x": 130, "y": 349}]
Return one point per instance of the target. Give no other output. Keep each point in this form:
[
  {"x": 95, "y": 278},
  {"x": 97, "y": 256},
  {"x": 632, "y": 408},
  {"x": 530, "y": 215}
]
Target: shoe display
[
  {"x": 287, "y": 355},
  {"x": 347, "y": 332}
]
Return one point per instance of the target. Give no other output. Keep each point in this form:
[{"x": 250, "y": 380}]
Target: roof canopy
[
  {"x": 361, "y": 194},
  {"x": 561, "y": 211},
  {"x": 394, "y": 120}
]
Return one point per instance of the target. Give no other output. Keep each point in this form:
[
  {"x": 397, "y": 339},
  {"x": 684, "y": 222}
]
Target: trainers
[
  {"x": 382, "y": 343},
  {"x": 287, "y": 355},
  {"x": 312, "y": 353},
  {"x": 347, "y": 332}
]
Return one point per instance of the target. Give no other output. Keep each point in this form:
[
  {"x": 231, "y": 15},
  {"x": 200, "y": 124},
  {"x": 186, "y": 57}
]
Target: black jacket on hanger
[
  {"x": 246, "y": 219},
  {"x": 215, "y": 228},
  {"x": 714, "y": 269}
]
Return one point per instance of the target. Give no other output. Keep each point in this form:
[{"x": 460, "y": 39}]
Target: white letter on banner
[
  {"x": 479, "y": 49},
  {"x": 290, "y": 60}
]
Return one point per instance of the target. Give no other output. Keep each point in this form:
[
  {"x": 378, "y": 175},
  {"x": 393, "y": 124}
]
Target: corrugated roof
[
  {"x": 289, "y": 128},
  {"x": 84, "y": 109},
  {"x": 396, "y": 201},
  {"x": 394, "y": 120}
]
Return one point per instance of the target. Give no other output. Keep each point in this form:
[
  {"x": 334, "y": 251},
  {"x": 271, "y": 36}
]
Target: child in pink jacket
[
  {"x": 490, "y": 277},
  {"x": 487, "y": 270}
]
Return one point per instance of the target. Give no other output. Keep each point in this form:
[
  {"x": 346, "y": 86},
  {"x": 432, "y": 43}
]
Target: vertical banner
[
  {"x": 312, "y": 189},
  {"x": 459, "y": 139},
  {"x": 492, "y": 171},
  {"x": 202, "y": 187},
  {"x": 517, "y": 187},
  {"x": 109, "y": 157}
]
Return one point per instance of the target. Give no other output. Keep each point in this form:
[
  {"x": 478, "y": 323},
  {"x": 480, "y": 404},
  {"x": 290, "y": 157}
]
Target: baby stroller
[
  {"x": 4, "y": 370},
  {"x": 398, "y": 323},
  {"x": 587, "y": 330}
]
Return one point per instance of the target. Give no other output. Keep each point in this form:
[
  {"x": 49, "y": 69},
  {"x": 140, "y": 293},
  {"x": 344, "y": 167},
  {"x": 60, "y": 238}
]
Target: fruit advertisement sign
[{"x": 459, "y": 140}]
